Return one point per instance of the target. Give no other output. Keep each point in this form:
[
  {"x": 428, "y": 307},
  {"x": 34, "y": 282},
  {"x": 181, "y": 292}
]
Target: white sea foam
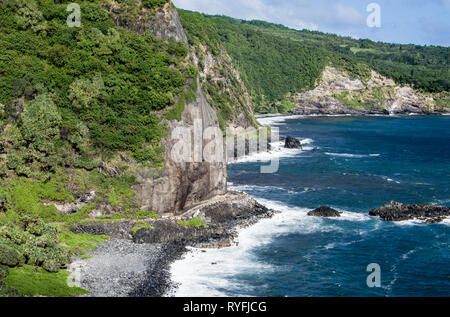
[
  {"x": 277, "y": 120},
  {"x": 277, "y": 151},
  {"x": 390, "y": 179},
  {"x": 307, "y": 141},
  {"x": 446, "y": 221},
  {"x": 353, "y": 216},
  {"x": 208, "y": 272},
  {"x": 348, "y": 155}
]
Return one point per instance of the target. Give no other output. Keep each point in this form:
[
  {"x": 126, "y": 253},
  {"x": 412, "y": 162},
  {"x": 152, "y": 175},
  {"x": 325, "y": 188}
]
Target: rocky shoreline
[
  {"x": 395, "y": 211},
  {"x": 138, "y": 265},
  {"x": 296, "y": 114}
]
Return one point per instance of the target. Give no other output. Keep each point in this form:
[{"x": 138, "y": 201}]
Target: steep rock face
[
  {"x": 181, "y": 185},
  {"x": 219, "y": 77},
  {"x": 338, "y": 93},
  {"x": 178, "y": 185}
]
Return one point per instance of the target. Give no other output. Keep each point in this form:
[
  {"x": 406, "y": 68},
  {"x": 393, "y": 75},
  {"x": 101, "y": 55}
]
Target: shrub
[
  {"x": 40, "y": 124},
  {"x": 150, "y": 4},
  {"x": 194, "y": 222},
  {"x": 140, "y": 225},
  {"x": 83, "y": 91},
  {"x": 10, "y": 256}
]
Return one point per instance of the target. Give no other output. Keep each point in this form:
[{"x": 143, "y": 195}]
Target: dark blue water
[{"x": 357, "y": 164}]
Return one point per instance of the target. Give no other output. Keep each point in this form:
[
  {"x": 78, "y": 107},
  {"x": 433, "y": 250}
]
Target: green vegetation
[
  {"x": 33, "y": 242},
  {"x": 141, "y": 214},
  {"x": 141, "y": 225},
  {"x": 442, "y": 101},
  {"x": 71, "y": 99},
  {"x": 31, "y": 281},
  {"x": 26, "y": 196},
  {"x": 74, "y": 93},
  {"x": 194, "y": 222},
  {"x": 283, "y": 106},
  {"x": 186, "y": 97},
  {"x": 275, "y": 61},
  {"x": 423, "y": 67},
  {"x": 370, "y": 98},
  {"x": 270, "y": 66},
  {"x": 33, "y": 255},
  {"x": 79, "y": 243},
  {"x": 150, "y": 4}
]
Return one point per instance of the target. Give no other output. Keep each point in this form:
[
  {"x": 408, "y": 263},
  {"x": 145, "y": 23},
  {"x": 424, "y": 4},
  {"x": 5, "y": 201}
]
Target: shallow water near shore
[{"x": 352, "y": 164}]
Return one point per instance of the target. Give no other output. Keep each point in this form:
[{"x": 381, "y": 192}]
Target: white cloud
[
  {"x": 294, "y": 13},
  {"x": 306, "y": 25}
]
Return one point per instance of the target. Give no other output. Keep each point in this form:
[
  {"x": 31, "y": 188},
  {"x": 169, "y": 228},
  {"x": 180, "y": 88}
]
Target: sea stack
[{"x": 292, "y": 143}]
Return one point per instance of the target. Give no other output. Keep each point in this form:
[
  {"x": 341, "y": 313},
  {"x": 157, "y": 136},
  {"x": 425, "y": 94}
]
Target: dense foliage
[
  {"x": 274, "y": 60},
  {"x": 71, "y": 98},
  {"x": 423, "y": 67},
  {"x": 270, "y": 66},
  {"x": 98, "y": 83}
]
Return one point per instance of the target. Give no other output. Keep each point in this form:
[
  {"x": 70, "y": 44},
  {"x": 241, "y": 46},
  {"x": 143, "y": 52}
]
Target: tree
[
  {"x": 83, "y": 91},
  {"x": 40, "y": 122}
]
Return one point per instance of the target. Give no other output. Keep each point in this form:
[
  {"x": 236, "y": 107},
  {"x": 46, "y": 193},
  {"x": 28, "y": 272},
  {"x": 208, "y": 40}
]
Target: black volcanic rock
[
  {"x": 325, "y": 212},
  {"x": 292, "y": 143},
  {"x": 395, "y": 211}
]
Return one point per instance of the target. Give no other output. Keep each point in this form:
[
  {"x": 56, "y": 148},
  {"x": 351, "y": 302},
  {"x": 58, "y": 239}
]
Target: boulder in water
[
  {"x": 325, "y": 212},
  {"x": 292, "y": 143},
  {"x": 395, "y": 211}
]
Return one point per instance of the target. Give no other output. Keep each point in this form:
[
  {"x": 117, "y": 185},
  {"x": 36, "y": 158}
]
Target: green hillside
[
  {"x": 275, "y": 60},
  {"x": 71, "y": 98}
]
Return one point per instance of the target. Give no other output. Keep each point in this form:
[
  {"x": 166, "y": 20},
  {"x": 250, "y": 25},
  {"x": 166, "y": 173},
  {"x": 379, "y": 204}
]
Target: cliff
[
  {"x": 178, "y": 185},
  {"x": 292, "y": 71},
  {"x": 340, "y": 93}
]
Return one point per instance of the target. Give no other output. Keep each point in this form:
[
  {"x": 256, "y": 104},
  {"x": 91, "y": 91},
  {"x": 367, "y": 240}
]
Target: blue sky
[{"x": 424, "y": 22}]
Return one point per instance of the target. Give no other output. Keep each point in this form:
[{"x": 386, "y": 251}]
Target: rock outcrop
[
  {"x": 221, "y": 218},
  {"x": 81, "y": 200},
  {"x": 395, "y": 211},
  {"x": 218, "y": 75},
  {"x": 292, "y": 143},
  {"x": 178, "y": 185},
  {"x": 338, "y": 93},
  {"x": 325, "y": 212}
]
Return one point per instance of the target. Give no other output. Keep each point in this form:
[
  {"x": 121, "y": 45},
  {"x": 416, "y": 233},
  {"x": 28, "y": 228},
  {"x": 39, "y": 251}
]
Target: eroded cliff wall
[
  {"x": 179, "y": 185},
  {"x": 339, "y": 93}
]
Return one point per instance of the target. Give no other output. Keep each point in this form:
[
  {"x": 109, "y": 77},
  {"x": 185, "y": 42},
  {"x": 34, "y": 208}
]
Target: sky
[{"x": 423, "y": 22}]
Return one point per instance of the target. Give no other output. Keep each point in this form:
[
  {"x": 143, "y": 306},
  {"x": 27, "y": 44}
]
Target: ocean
[{"x": 352, "y": 164}]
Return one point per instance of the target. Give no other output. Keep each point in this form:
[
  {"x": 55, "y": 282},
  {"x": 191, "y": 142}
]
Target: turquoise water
[{"x": 352, "y": 164}]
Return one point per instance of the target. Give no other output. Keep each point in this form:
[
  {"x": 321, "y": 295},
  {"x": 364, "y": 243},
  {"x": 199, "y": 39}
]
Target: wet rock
[
  {"x": 395, "y": 211},
  {"x": 141, "y": 267},
  {"x": 434, "y": 220},
  {"x": 292, "y": 143},
  {"x": 325, "y": 212}
]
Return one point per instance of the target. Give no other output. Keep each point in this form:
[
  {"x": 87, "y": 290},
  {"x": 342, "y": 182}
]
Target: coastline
[
  {"x": 144, "y": 268},
  {"x": 362, "y": 114},
  {"x": 140, "y": 265},
  {"x": 154, "y": 258}
]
